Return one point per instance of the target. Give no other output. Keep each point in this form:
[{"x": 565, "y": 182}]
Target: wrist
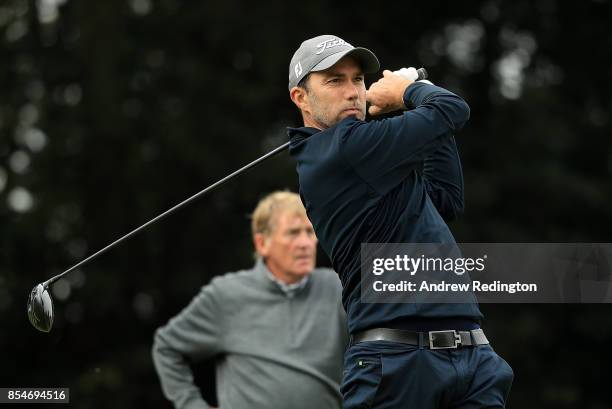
[
  {"x": 405, "y": 101},
  {"x": 408, "y": 94}
]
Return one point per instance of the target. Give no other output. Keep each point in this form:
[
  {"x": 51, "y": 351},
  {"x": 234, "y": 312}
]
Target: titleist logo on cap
[{"x": 330, "y": 44}]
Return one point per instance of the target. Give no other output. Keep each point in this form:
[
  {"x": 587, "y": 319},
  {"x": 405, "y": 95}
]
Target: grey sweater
[{"x": 273, "y": 350}]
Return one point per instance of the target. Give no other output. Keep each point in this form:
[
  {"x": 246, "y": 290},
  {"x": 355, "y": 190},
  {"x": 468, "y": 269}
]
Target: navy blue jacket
[{"x": 394, "y": 180}]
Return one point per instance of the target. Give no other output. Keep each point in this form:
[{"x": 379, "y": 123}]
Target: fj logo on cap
[
  {"x": 331, "y": 43},
  {"x": 298, "y": 69}
]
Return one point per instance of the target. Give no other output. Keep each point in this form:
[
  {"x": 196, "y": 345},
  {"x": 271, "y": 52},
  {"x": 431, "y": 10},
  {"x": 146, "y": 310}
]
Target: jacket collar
[
  {"x": 302, "y": 130},
  {"x": 299, "y": 135},
  {"x": 306, "y": 131}
]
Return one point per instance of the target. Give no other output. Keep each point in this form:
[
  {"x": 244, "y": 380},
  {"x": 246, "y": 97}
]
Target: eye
[
  {"x": 333, "y": 80},
  {"x": 293, "y": 232}
]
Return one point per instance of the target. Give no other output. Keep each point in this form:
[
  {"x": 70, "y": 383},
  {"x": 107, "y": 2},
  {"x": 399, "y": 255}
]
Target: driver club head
[{"x": 40, "y": 308}]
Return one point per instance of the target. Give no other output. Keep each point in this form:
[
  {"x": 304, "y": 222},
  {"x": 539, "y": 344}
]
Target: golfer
[
  {"x": 276, "y": 332},
  {"x": 396, "y": 180}
]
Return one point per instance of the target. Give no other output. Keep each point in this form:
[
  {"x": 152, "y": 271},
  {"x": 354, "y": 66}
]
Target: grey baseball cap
[{"x": 321, "y": 52}]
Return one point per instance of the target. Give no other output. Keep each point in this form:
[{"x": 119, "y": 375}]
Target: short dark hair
[{"x": 304, "y": 83}]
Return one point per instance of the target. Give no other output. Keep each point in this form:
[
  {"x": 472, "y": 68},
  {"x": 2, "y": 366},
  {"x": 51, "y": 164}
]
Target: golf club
[{"x": 40, "y": 303}]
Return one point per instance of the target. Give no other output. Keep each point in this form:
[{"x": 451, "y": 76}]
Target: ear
[
  {"x": 261, "y": 244},
  {"x": 299, "y": 96}
]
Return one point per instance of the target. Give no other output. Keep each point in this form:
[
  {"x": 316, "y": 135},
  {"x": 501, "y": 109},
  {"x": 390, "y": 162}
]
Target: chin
[{"x": 303, "y": 269}]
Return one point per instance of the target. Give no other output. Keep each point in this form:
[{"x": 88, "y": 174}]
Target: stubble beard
[{"x": 320, "y": 114}]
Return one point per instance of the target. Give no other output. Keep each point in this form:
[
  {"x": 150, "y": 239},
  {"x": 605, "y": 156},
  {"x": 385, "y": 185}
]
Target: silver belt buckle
[{"x": 456, "y": 339}]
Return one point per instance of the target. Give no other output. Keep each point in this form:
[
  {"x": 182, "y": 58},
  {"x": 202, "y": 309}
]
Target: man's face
[
  {"x": 290, "y": 249},
  {"x": 334, "y": 94}
]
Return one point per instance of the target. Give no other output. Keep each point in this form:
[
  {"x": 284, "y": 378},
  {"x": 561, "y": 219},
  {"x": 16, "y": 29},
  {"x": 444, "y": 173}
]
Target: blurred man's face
[
  {"x": 334, "y": 94},
  {"x": 290, "y": 249}
]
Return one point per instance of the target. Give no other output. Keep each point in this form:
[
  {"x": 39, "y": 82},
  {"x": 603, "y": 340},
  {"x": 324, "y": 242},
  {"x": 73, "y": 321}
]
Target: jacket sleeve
[
  {"x": 384, "y": 152},
  {"x": 195, "y": 333},
  {"x": 443, "y": 179}
]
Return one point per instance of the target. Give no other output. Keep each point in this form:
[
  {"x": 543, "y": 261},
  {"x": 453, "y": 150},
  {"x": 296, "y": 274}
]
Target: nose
[{"x": 352, "y": 91}]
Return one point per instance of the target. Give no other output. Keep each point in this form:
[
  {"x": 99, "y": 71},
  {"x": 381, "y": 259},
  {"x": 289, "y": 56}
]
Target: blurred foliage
[{"x": 113, "y": 111}]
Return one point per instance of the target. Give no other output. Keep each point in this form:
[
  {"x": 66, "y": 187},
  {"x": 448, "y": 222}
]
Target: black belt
[{"x": 433, "y": 339}]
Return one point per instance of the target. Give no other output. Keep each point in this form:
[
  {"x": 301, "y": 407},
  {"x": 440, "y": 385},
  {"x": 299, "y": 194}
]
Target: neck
[{"x": 310, "y": 122}]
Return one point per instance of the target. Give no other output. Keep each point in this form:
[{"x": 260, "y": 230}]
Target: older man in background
[{"x": 277, "y": 332}]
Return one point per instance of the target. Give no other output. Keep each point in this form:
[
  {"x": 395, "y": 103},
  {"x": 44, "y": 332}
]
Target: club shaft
[
  {"x": 215, "y": 185},
  {"x": 422, "y": 74}
]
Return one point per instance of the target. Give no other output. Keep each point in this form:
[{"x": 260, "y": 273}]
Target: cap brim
[{"x": 367, "y": 59}]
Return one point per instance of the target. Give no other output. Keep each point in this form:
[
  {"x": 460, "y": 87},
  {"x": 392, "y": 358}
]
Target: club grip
[{"x": 422, "y": 74}]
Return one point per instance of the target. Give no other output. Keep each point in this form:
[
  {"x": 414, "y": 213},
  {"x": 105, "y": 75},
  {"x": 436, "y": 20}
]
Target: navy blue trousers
[{"x": 389, "y": 375}]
